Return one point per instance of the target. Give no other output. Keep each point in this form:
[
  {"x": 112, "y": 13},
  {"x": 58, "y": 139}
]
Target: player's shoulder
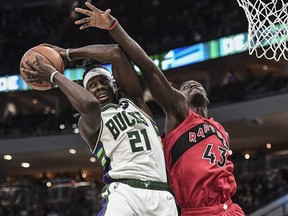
[
  {"x": 126, "y": 103},
  {"x": 109, "y": 106}
]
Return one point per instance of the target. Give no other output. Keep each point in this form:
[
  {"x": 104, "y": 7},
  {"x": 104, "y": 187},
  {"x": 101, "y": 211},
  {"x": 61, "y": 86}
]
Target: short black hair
[{"x": 89, "y": 64}]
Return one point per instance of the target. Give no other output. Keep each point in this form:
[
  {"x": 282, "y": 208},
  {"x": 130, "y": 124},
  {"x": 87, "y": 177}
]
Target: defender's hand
[{"x": 95, "y": 17}]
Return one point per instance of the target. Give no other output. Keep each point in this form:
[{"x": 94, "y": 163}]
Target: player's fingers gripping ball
[{"x": 46, "y": 55}]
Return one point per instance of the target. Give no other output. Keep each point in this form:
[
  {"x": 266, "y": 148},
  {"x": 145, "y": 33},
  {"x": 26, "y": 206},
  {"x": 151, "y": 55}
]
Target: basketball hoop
[{"x": 267, "y": 28}]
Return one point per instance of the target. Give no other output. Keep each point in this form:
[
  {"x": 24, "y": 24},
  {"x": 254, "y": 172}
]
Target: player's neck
[{"x": 200, "y": 110}]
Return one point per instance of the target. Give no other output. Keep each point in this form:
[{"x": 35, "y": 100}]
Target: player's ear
[{"x": 116, "y": 90}]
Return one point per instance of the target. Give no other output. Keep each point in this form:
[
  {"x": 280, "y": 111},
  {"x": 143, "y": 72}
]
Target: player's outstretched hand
[{"x": 95, "y": 17}]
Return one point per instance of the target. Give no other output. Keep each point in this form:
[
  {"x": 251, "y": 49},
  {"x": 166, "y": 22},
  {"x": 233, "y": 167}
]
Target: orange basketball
[{"x": 47, "y": 55}]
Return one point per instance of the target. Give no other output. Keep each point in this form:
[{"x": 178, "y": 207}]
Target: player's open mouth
[
  {"x": 103, "y": 97},
  {"x": 194, "y": 89}
]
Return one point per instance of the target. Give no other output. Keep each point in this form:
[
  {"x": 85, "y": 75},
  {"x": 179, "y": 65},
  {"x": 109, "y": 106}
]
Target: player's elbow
[
  {"x": 117, "y": 53},
  {"x": 91, "y": 106}
]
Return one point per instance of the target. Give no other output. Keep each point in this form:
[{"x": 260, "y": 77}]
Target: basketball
[{"x": 47, "y": 55}]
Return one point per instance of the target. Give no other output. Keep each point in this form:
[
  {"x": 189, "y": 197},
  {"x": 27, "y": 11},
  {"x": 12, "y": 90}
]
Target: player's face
[
  {"x": 194, "y": 92},
  {"x": 103, "y": 89}
]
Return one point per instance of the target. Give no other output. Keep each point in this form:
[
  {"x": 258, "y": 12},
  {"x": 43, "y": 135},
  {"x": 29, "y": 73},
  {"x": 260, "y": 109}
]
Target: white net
[{"x": 267, "y": 27}]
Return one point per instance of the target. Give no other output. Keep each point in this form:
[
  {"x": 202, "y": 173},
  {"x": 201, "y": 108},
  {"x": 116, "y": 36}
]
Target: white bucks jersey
[{"x": 129, "y": 145}]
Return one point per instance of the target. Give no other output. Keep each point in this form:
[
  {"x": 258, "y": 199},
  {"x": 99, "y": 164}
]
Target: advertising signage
[{"x": 168, "y": 60}]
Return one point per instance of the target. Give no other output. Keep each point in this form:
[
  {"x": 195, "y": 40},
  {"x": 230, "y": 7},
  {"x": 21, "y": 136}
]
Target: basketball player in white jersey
[{"x": 117, "y": 130}]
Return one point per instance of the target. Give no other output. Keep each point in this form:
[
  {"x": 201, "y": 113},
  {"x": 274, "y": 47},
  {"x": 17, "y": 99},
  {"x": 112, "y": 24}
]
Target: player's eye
[
  {"x": 92, "y": 85},
  {"x": 106, "y": 81}
]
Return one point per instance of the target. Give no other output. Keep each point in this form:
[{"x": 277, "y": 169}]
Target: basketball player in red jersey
[{"x": 196, "y": 147}]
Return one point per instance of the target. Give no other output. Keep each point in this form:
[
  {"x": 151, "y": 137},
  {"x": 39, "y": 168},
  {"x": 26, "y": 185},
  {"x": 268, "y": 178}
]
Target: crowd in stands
[
  {"x": 74, "y": 196},
  {"x": 235, "y": 89},
  {"x": 65, "y": 197},
  {"x": 254, "y": 191},
  {"x": 162, "y": 25}
]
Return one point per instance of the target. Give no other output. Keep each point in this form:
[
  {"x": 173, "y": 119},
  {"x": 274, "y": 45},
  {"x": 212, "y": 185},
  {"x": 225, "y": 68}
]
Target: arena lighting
[
  {"x": 47, "y": 110},
  {"x": 7, "y": 157},
  {"x": 265, "y": 67},
  {"x": 84, "y": 175},
  {"x": 25, "y": 165},
  {"x": 268, "y": 145},
  {"x": 11, "y": 108},
  {"x": 92, "y": 159},
  {"x": 171, "y": 59},
  {"x": 72, "y": 151}
]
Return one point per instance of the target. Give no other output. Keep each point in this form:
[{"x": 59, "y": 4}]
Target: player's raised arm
[
  {"x": 122, "y": 69},
  {"x": 160, "y": 88},
  {"x": 83, "y": 101}
]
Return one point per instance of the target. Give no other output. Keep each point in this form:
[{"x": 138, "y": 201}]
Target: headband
[{"x": 95, "y": 72}]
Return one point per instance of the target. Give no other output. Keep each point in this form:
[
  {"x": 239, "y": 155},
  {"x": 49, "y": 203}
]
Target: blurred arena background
[{"x": 45, "y": 167}]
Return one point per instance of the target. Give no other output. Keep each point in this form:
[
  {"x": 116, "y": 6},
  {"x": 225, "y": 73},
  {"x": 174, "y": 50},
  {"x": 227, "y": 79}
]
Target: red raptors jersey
[{"x": 196, "y": 155}]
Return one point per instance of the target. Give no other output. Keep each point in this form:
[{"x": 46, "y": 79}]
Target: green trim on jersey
[
  {"x": 98, "y": 137},
  {"x": 101, "y": 155},
  {"x": 109, "y": 105}
]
